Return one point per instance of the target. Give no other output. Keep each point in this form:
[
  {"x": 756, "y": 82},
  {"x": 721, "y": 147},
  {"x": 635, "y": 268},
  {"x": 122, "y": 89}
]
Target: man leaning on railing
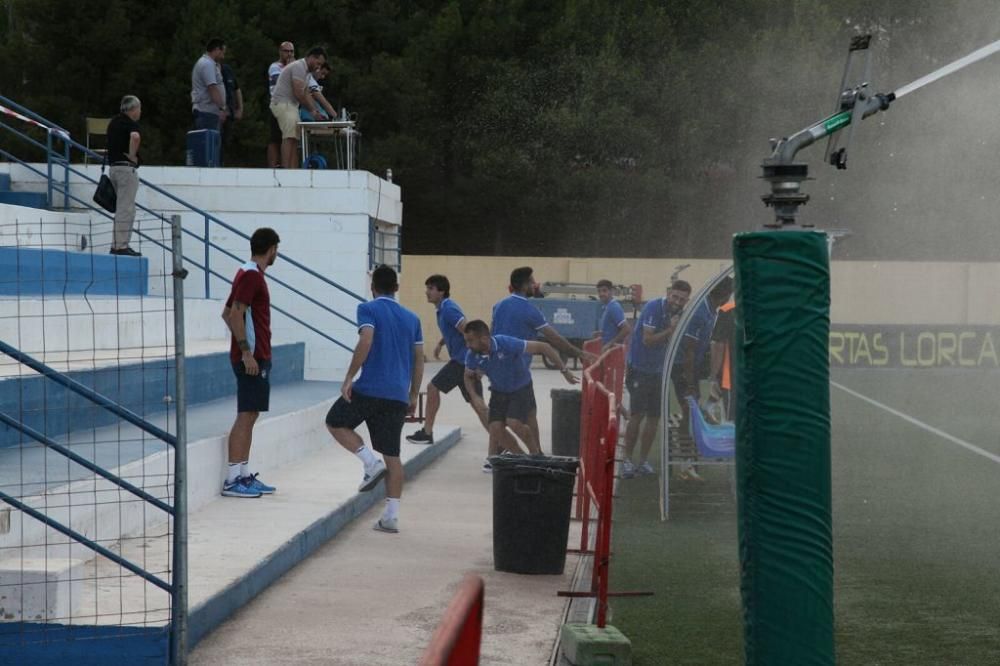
[{"x": 123, "y": 156}]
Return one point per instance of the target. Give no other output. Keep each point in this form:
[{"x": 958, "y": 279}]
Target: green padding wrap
[{"x": 783, "y": 447}]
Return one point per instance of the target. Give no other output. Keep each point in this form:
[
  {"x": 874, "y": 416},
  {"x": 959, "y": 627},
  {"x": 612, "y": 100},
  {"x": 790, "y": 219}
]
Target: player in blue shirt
[
  {"x": 644, "y": 377},
  {"x": 501, "y": 358},
  {"x": 451, "y": 322},
  {"x": 615, "y": 328},
  {"x": 390, "y": 356},
  {"x": 517, "y": 317}
]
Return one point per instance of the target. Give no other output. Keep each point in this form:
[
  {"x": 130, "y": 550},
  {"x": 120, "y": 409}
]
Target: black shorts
[
  {"x": 253, "y": 392},
  {"x": 645, "y": 392},
  {"x": 274, "y": 133},
  {"x": 383, "y": 417},
  {"x": 452, "y": 375},
  {"x": 517, "y": 404}
]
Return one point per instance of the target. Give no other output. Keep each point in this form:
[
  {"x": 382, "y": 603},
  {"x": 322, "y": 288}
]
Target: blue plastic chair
[{"x": 713, "y": 441}]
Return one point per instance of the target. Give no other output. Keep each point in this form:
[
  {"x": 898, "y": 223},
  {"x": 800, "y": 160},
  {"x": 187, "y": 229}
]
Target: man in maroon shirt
[{"x": 248, "y": 315}]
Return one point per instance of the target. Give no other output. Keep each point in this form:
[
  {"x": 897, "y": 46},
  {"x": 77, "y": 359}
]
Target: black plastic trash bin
[
  {"x": 566, "y": 422},
  {"x": 532, "y": 498}
]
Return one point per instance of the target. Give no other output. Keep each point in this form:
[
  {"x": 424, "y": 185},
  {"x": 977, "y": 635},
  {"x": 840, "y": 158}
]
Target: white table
[{"x": 328, "y": 128}]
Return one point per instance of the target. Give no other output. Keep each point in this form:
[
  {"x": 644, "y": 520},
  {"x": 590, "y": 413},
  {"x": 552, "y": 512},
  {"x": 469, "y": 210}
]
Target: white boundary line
[{"x": 920, "y": 424}]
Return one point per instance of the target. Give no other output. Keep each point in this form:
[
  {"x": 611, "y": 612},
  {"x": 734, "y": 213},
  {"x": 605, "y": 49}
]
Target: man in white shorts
[{"x": 289, "y": 92}]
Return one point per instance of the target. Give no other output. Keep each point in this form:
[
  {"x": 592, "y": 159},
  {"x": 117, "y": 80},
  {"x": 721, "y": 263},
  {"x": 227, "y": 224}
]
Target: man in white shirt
[
  {"x": 208, "y": 92},
  {"x": 286, "y": 54},
  {"x": 326, "y": 110},
  {"x": 289, "y": 92}
]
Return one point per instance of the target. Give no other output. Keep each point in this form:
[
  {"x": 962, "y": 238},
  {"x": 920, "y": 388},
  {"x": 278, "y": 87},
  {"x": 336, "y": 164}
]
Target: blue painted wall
[
  {"x": 26, "y": 271},
  {"x": 141, "y": 387},
  {"x": 38, "y": 644}
]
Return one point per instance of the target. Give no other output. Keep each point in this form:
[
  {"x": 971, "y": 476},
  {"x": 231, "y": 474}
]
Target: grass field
[{"x": 916, "y": 535}]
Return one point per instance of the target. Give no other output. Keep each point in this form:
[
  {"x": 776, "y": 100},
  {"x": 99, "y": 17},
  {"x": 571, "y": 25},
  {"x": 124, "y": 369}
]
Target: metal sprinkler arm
[
  {"x": 781, "y": 169},
  {"x": 786, "y": 175},
  {"x": 786, "y": 149}
]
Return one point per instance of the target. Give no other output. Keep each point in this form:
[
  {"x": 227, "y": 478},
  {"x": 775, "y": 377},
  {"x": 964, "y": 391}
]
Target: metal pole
[
  {"x": 178, "y": 620},
  {"x": 67, "y": 152},
  {"x": 48, "y": 162},
  {"x": 208, "y": 276},
  {"x": 350, "y": 148}
]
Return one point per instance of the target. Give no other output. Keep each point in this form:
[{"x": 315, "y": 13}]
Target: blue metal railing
[
  {"x": 92, "y": 545},
  {"x": 110, "y": 405},
  {"x": 209, "y": 272},
  {"x": 54, "y": 159}
]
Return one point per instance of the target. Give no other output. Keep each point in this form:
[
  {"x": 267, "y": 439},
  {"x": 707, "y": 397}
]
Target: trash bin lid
[{"x": 550, "y": 464}]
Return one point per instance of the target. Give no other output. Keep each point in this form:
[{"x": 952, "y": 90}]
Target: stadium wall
[{"x": 910, "y": 295}]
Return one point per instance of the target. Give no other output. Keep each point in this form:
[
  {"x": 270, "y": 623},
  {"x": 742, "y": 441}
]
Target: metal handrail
[
  {"x": 88, "y": 393},
  {"x": 83, "y": 462},
  {"x": 208, "y": 244},
  {"x": 213, "y": 218},
  {"x": 85, "y": 541},
  {"x": 210, "y": 271},
  {"x": 31, "y": 114},
  {"x": 191, "y": 207}
]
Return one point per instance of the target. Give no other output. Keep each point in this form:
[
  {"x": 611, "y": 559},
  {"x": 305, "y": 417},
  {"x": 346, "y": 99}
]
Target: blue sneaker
[
  {"x": 239, "y": 488},
  {"x": 259, "y": 485}
]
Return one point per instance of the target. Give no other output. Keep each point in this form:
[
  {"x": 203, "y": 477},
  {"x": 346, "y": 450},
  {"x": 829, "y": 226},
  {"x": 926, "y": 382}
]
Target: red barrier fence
[
  {"x": 456, "y": 640},
  {"x": 603, "y": 383},
  {"x": 418, "y": 415}
]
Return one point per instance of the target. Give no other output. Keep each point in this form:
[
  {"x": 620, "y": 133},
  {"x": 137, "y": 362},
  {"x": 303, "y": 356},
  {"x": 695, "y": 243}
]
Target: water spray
[
  {"x": 782, "y": 394},
  {"x": 855, "y": 102}
]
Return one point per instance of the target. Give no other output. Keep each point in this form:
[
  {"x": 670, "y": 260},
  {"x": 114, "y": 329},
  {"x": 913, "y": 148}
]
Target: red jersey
[{"x": 250, "y": 288}]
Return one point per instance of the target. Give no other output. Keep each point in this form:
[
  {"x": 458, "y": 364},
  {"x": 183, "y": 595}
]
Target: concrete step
[
  {"x": 31, "y": 271},
  {"x": 27, "y": 199},
  {"x": 97, "y": 508},
  {"x": 81, "y": 332},
  {"x": 144, "y": 387},
  {"x": 236, "y": 547},
  {"x": 22, "y": 226}
]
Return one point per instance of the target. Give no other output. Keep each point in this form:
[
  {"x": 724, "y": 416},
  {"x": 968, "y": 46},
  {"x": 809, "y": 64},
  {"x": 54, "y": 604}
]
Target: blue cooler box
[{"x": 203, "y": 148}]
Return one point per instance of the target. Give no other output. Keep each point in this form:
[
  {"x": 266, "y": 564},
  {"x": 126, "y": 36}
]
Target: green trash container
[
  {"x": 532, "y": 499},
  {"x": 566, "y": 422}
]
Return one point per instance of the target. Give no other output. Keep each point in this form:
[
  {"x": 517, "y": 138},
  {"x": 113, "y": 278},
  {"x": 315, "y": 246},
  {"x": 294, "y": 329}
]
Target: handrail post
[
  {"x": 208, "y": 293},
  {"x": 178, "y": 634},
  {"x": 66, "y": 156},
  {"x": 350, "y": 148},
  {"x": 48, "y": 162}
]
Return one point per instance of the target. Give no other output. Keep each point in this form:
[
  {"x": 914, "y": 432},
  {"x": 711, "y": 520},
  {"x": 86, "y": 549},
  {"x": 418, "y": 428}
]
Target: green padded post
[{"x": 783, "y": 447}]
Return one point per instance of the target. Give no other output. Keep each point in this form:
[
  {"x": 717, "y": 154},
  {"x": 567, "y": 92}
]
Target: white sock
[
  {"x": 391, "y": 508},
  {"x": 233, "y": 472},
  {"x": 366, "y": 455},
  {"x": 245, "y": 468}
]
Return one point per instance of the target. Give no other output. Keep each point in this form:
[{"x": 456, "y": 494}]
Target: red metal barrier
[
  {"x": 418, "y": 415},
  {"x": 603, "y": 382},
  {"x": 456, "y": 640}
]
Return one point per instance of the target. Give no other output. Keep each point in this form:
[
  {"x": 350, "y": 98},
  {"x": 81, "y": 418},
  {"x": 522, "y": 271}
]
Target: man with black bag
[{"x": 123, "y": 156}]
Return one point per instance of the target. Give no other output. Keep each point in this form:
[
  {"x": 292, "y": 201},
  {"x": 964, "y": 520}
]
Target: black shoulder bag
[{"x": 105, "y": 196}]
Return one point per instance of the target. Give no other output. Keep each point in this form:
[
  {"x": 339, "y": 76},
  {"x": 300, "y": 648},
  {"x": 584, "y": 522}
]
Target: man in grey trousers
[{"x": 123, "y": 156}]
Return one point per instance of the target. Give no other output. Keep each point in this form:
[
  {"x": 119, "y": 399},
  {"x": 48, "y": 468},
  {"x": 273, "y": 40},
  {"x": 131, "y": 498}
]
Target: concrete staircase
[{"x": 18, "y": 198}]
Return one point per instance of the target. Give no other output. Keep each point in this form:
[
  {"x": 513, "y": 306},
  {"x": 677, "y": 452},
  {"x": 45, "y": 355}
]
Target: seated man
[{"x": 502, "y": 359}]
